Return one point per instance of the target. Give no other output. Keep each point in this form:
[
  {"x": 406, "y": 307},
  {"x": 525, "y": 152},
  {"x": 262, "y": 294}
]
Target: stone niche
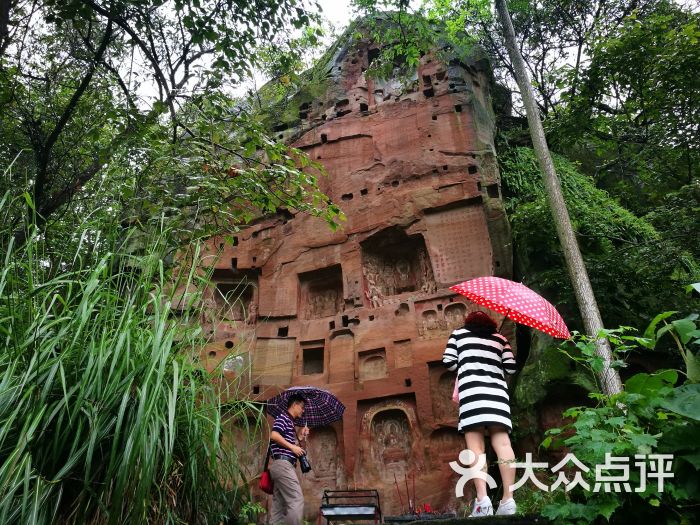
[
  {"x": 321, "y": 292},
  {"x": 372, "y": 364},
  {"x": 445, "y": 444},
  {"x": 234, "y": 296},
  {"x": 394, "y": 263},
  {"x": 442, "y": 384},
  {"x": 437, "y": 320},
  {"x": 245, "y": 445},
  {"x": 390, "y": 441},
  {"x": 323, "y": 451},
  {"x": 312, "y": 357},
  {"x": 454, "y": 315}
]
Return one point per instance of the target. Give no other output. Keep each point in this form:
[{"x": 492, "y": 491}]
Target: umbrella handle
[{"x": 504, "y": 320}]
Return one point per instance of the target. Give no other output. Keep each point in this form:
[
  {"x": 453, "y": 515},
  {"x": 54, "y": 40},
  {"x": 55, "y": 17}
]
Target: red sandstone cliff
[{"x": 365, "y": 311}]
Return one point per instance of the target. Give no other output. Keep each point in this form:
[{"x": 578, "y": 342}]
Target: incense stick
[{"x": 399, "y": 492}]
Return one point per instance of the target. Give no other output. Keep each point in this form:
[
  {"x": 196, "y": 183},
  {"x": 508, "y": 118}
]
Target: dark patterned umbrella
[{"x": 320, "y": 408}]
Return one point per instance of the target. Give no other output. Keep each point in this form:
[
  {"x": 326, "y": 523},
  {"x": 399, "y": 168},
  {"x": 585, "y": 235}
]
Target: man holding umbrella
[
  {"x": 303, "y": 406},
  {"x": 287, "y": 499}
]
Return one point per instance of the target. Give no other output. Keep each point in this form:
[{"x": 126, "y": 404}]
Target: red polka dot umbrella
[{"x": 516, "y": 301}]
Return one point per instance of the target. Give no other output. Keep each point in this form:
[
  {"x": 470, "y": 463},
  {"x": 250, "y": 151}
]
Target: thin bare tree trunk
[{"x": 608, "y": 378}]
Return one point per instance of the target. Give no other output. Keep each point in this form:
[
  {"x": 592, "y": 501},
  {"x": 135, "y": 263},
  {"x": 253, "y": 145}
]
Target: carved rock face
[{"x": 365, "y": 311}]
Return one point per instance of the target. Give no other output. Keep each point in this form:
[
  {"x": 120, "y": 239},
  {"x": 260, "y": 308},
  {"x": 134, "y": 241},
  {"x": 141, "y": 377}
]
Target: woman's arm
[
  {"x": 507, "y": 358},
  {"x": 450, "y": 357}
]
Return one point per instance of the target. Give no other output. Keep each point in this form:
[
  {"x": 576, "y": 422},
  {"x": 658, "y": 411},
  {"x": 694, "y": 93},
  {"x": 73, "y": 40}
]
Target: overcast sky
[{"x": 338, "y": 12}]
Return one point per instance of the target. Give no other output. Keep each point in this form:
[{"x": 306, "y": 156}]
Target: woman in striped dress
[{"x": 481, "y": 355}]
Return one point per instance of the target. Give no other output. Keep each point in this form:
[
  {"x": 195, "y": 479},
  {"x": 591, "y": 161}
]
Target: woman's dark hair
[
  {"x": 295, "y": 398},
  {"x": 480, "y": 324}
]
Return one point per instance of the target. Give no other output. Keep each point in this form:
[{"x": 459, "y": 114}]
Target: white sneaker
[
  {"x": 482, "y": 508},
  {"x": 506, "y": 508}
]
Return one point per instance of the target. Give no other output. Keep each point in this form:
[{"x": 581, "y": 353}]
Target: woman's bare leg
[
  {"x": 475, "y": 443},
  {"x": 500, "y": 441}
]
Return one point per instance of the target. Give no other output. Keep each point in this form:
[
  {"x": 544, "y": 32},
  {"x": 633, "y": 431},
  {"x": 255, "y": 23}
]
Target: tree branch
[{"x": 47, "y": 146}]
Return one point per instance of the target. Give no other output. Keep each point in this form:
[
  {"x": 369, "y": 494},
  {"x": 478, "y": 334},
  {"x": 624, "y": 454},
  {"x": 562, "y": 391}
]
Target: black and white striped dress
[{"x": 480, "y": 361}]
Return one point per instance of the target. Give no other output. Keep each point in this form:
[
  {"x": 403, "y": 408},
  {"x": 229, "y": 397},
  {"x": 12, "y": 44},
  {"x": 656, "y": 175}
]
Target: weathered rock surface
[{"x": 365, "y": 311}]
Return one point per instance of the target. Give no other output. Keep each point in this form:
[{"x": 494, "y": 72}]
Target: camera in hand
[{"x": 304, "y": 464}]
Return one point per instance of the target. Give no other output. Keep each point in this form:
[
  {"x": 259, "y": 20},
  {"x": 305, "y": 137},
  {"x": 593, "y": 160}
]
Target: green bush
[
  {"x": 655, "y": 414},
  {"x": 105, "y": 414},
  {"x": 634, "y": 267}
]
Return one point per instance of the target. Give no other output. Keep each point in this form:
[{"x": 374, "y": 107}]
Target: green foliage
[
  {"x": 619, "y": 248},
  {"x": 106, "y": 415},
  {"x": 652, "y": 415},
  {"x": 249, "y": 513},
  {"x": 127, "y": 109},
  {"x": 405, "y": 33},
  {"x": 638, "y": 108}
]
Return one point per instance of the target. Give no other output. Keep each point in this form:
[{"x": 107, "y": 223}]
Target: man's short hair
[{"x": 295, "y": 398}]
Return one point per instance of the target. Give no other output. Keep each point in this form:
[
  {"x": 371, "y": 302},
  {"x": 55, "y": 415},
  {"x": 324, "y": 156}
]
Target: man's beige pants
[{"x": 287, "y": 498}]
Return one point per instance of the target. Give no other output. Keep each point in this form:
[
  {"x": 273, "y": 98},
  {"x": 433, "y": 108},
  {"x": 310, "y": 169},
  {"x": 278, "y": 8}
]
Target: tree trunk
[{"x": 608, "y": 378}]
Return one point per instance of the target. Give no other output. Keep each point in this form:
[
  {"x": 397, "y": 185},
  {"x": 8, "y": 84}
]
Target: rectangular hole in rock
[
  {"x": 407, "y": 381},
  {"x": 234, "y": 263},
  {"x": 331, "y": 325},
  {"x": 492, "y": 191},
  {"x": 324, "y": 138},
  {"x": 321, "y": 292},
  {"x": 439, "y": 307},
  {"x": 440, "y": 75},
  {"x": 478, "y": 186},
  {"x": 428, "y": 93},
  {"x": 235, "y": 241},
  {"x": 312, "y": 361},
  {"x": 434, "y": 117},
  {"x": 233, "y": 297},
  {"x": 256, "y": 389},
  {"x": 426, "y": 80},
  {"x": 372, "y": 364},
  {"x": 371, "y": 318},
  {"x": 346, "y": 321},
  {"x": 364, "y": 107},
  {"x": 282, "y": 331},
  {"x": 472, "y": 169},
  {"x": 458, "y": 108},
  {"x": 395, "y": 263},
  {"x": 363, "y": 191}
]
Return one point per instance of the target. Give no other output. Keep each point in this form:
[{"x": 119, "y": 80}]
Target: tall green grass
[{"x": 106, "y": 416}]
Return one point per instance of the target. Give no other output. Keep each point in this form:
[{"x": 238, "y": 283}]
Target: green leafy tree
[
  {"x": 135, "y": 97},
  {"x": 638, "y": 107}
]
